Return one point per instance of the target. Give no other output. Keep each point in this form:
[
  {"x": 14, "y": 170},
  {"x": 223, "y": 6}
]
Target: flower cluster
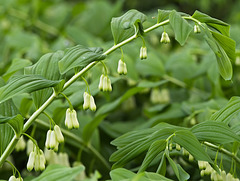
[
  {"x": 122, "y": 67},
  {"x": 54, "y": 138},
  {"x": 89, "y": 102},
  {"x": 160, "y": 96},
  {"x": 104, "y": 84},
  {"x": 71, "y": 119},
  {"x": 36, "y": 160},
  {"x": 56, "y": 158},
  {"x": 143, "y": 52},
  {"x": 13, "y": 178},
  {"x": 196, "y": 29},
  {"x": 165, "y": 38},
  {"x": 206, "y": 169}
]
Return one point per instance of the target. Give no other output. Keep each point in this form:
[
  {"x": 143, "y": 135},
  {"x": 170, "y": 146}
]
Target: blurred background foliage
[{"x": 177, "y": 85}]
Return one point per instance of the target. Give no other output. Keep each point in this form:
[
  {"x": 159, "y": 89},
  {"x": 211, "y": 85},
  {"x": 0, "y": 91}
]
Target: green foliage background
[{"x": 189, "y": 74}]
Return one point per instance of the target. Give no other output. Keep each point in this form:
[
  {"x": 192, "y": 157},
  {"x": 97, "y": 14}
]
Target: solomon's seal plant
[{"x": 54, "y": 80}]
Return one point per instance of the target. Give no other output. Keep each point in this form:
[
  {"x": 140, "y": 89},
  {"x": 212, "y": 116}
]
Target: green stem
[
  {"x": 69, "y": 102},
  {"x": 14, "y": 140},
  {"x": 14, "y": 168},
  {"x": 105, "y": 68},
  {"x": 226, "y": 152},
  {"x": 31, "y": 138},
  {"x": 86, "y": 84}
]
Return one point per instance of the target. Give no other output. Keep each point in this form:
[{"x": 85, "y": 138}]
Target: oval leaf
[
  {"x": 24, "y": 84},
  {"x": 124, "y": 26},
  {"x": 180, "y": 26},
  {"x": 79, "y": 56}
]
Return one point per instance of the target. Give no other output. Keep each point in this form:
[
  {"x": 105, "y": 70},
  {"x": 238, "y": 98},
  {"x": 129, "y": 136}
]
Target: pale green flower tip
[
  {"x": 143, "y": 53},
  {"x": 105, "y": 83},
  {"x": 165, "y": 38}
]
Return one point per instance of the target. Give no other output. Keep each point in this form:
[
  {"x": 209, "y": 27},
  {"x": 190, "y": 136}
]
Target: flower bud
[
  {"x": 12, "y": 178},
  {"x": 31, "y": 161},
  {"x": 224, "y": 175},
  {"x": 59, "y": 135},
  {"x": 42, "y": 161},
  {"x": 19, "y": 179},
  {"x": 53, "y": 140},
  {"x": 202, "y": 173},
  {"x": 30, "y": 146},
  {"x": 197, "y": 29},
  {"x": 92, "y": 104},
  {"x": 190, "y": 157},
  {"x": 47, "y": 142},
  {"x": 109, "y": 84},
  {"x": 122, "y": 67},
  {"x": 143, "y": 52},
  {"x": 185, "y": 152},
  {"x": 178, "y": 147},
  {"x": 37, "y": 162},
  {"x": 68, "y": 122},
  {"x": 105, "y": 83},
  {"x": 165, "y": 38},
  {"x": 100, "y": 85},
  {"x": 21, "y": 144},
  {"x": 74, "y": 119},
  {"x": 86, "y": 97},
  {"x": 63, "y": 157},
  {"x": 170, "y": 147}
]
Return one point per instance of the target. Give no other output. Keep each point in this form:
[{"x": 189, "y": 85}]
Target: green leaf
[
  {"x": 7, "y": 109},
  {"x": 150, "y": 84},
  {"x": 47, "y": 67},
  {"x": 227, "y": 44},
  {"x": 60, "y": 173},
  {"x": 181, "y": 174},
  {"x": 156, "y": 176},
  {"x": 180, "y": 26},
  {"x": 126, "y": 25},
  {"x": 130, "y": 151},
  {"x": 155, "y": 148},
  {"x": 162, "y": 168},
  {"x": 219, "y": 25},
  {"x": 16, "y": 65},
  {"x": 24, "y": 84},
  {"x": 89, "y": 129},
  {"x": 224, "y": 63},
  {"x": 186, "y": 139},
  {"x": 162, "y": 15},
  {"x": 214, "y": 132},
  {"x": 16, "y": 122},
  {"x": 79, "y": 56},
  {"x": 226, "y": 113}
]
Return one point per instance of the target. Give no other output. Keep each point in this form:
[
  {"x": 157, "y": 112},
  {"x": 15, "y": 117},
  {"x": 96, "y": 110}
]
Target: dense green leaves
[
  {"x": 215, "y": 132},
  {"x": 187, "y": 140},
  {"x": 24, "y": 84},
  {"x": 47, "y": 67},
  {"x": 79, "y": 56},
  {"x": 126, "y": 25},
  {"x": 181, "y": 27},
  {"x": 61, "y": 173},
  {"x": 219, "y": 25},
  {"x": 227, "y": 112}
]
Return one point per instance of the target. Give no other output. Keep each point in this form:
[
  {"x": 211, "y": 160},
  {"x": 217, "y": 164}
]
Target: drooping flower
[
  {"x": 143, "y": 52},
  {"x": 100, "y": 85},
  {"x": 21, "y": 144},
  {"x": 59, "y": 135},
  {"x": 122, "y": 67},
  {"x": 165, "y": 38},
  {"x": 31, "y": 161},
  {"x": 12, "y": 178},
  {"x": 86, "y": 100},
  {"x": 30, "y": 146},
  {"x": 196, "y": 29},
  {"x": 47, "y": 142},
  {"x": 92, "y": 104},
  {"x": 53, "y": 140},
  {"x": 71, "y": 119}
]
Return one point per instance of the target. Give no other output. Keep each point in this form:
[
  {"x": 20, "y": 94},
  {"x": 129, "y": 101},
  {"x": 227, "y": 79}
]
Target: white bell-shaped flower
[
  {"x": 143, "y": 52},
  {"x": 71, "y": 119},
  {"x": 122, "y": 67},
  {"x": 93, "y": 106},
  {"x": 21, "y": 144},
  {"x": 12, "y": 178},
  {"x": 86, "y": 100},
  {"x": 59, "y": 135},
  {"x": 30, "y": 146},
  {"x": 47, "y": 142},
  {"x": 53, "y": 140},
  {"x": 100, "y": 85},
  {"x": 165, "y": 38},
  {"x": 31, "y": 161}
]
